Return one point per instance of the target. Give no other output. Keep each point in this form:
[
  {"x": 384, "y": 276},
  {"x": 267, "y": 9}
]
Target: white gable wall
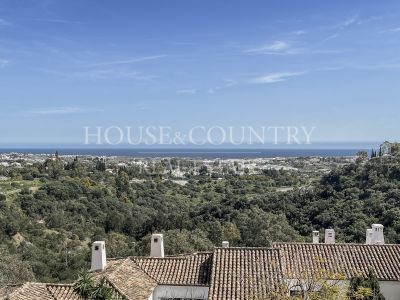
[
  {"x": 390, "y": 289},
  {"x": 179, "y": 291}
]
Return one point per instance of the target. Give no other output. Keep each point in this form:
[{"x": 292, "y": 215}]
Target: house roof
[
  {"x": 191, "y": 269},
  {"x": 137, "y": 277},
  {"x": 348, "y": 260},
  {"x": 230, "y": 273},
  {"x": 48, "y": 291},
  {"x": 244, "y": 273},
  {"x": 27, "y": 291},
  {"x": 128, "y": 279},
  {"x": 39, "y": 291},
  {"x": 62, "y": 291}
]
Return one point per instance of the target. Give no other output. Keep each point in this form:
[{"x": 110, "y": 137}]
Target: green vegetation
[
  {"x": 88, "y": 289},
  {"x": 331, "y": 286},
  {"x": 365, "y": 288},
  {"x": 54, "y": 210}
]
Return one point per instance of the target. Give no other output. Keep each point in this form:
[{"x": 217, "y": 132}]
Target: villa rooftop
[{"x": 226, "y": 273}]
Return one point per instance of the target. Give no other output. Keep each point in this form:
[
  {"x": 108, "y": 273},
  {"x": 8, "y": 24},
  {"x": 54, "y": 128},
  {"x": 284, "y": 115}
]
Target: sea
[{"x": 202, "y": 153}]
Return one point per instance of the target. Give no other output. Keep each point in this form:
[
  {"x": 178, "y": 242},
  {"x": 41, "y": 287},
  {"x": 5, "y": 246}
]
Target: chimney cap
[
  {"x": 377, "y": 225},
  {"x": 156, "y": 236},
  {"x": 99, "y": 242},
  {"x": 377, "y": 237},
  {"x": 315, "y": 237},
  {"x": 225, "y": 244}
]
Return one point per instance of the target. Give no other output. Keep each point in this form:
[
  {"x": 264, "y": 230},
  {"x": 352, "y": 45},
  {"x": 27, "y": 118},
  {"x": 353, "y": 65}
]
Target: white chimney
[
  {"x": 157, "y": 245},
  {"x": 225, "y": 244},
  {"x": 329, "y": 236},
  {"x": 377, "y": 235},
  {"x": 315, "y": 237},
  {"x": 368, "y": 237},
  {"x": 99, "y": 259}
]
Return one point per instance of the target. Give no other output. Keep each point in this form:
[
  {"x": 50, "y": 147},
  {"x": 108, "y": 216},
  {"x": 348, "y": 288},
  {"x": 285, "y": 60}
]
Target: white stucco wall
[
  {"x": 390, "y": 289},
  {"x": 176, "y": 291}
]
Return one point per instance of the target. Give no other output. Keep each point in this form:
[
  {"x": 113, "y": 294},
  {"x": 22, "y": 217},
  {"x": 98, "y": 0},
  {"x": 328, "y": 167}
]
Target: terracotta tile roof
[
  {"x": 231, "y": 273},
  {"x": 62, "y": 291},
  {"x": 345, "y": 259},
  {"x": 244, "y": 273},
  {"x": 28, "y": 291},
  {"x": 47, "y": 291},
  {"x": 128, "y": 279},
  {"x": 137, "y": 277},
  {"x": 8, "y": 290},
  {"x": 191, "y": 269}
]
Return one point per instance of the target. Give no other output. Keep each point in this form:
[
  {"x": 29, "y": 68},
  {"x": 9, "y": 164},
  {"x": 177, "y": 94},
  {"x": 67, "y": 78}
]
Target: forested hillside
[{"x": 59, "y": 208}]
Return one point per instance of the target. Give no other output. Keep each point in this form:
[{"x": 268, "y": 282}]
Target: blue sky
[{"x": 64, "y": 65}]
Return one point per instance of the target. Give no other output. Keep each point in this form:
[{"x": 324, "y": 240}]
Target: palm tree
[
  {"x": 84, "y": 286},
  {"x": 101, "y": 291},
  {"x": 87, "y": 289}
]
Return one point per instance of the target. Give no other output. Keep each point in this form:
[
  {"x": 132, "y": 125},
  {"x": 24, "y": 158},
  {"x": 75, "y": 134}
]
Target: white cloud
[
  {"x": 327, "y": 69},
  {"x": 328, "y": 51},
  {"x": 94, "y": 74},
  {"x": 275, "y": 77},
  {"x": 350, "y": 21},
  {"x": 128, "y": 61},
  {"x": 62, "y": 111},
  {"x": 187, "y": 91},
  {"x": 284, "y": 48},
  {"x": 211, "y": 91},
  {"x": 4, "y": 22},
  {"x": 331, "y": 37},
  {"x": 382, "y": 66},
  {"x": 370, "y": 19},
  {"x": 356, "y": 20},
  {"x": 299, "y": 32},
  {"x": 112, "y": 73},
  {"x": 277, "y": 47},
  {"x": 60, "y": 21},
  {"x": 391, "y": 30},
  {"x": 142, "y": 107},
  {"x": 227, "y": 84},
  {"x": 4, "y": 62}
]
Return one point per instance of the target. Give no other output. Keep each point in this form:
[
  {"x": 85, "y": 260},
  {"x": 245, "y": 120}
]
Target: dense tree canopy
[{"x": 51, "y": 227}]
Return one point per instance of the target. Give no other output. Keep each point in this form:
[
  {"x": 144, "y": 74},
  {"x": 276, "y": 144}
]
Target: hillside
[{"x": 59, "y": 207}]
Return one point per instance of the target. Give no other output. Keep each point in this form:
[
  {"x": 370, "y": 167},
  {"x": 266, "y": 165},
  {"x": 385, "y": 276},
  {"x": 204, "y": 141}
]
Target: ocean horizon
[{"x": 200, "y": 153}]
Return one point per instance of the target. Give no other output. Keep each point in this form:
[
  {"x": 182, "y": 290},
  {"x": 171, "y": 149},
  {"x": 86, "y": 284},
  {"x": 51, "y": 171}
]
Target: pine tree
[{"x": 101, "y": 165}]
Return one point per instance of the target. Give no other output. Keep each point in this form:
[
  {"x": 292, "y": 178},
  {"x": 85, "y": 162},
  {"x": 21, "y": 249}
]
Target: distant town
[{"x": 184, "y": 167}]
